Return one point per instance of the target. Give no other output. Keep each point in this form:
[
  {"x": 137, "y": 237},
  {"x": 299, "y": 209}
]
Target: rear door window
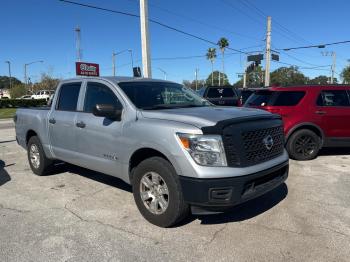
[
  {"x": 217, "y": 92},
  {"x": 68, "y": 97},
  {"x": 333, "y": 98},
  {"x": 288, "y": 98}
]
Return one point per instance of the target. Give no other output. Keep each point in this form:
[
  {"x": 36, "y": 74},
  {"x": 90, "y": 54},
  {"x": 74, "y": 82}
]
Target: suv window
[
  {"x": 288, "y": 98},
  {"x": 68, "y": 99},
  {"x": 97, "y": 93},
  {"x": 216, "y": 92},
  {"x": 259, "y": 98},
  {"x": 333, "y": 98}
]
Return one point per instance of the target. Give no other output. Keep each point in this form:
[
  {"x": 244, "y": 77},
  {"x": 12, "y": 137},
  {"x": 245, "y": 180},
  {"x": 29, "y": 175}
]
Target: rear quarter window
[{"x": 259, "y": 98}]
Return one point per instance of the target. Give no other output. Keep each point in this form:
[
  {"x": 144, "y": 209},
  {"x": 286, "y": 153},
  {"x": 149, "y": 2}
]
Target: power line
[
  {"x": 152, "y": 21},
  {"x": 199, "y": 22},
  {"x": 313, "y": 46}
]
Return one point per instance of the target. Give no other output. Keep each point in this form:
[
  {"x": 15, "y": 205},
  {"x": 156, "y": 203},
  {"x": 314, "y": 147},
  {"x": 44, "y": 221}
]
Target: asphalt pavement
[{"x": 80, "y": 215}]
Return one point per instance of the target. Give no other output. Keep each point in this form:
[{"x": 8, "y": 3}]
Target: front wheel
[
  {"x": 157, "y": 192},
  {"x": 304, "y": 144}
]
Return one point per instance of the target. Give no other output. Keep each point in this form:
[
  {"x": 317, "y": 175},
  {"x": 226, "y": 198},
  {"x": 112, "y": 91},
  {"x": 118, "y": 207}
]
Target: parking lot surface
[{"x": 80, "y": 215}]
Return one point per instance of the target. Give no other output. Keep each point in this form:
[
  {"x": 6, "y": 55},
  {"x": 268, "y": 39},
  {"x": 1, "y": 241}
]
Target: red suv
[{"x": 313, "y": 116}]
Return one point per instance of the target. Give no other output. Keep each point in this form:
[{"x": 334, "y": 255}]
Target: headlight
[{"x": 206, "y": 150}]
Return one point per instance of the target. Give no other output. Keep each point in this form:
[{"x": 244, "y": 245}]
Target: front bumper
[{"x": 222, "y": 193}]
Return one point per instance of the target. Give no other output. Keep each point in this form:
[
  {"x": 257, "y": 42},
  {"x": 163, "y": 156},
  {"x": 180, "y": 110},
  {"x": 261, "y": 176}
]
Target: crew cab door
[
  {"x": 61, "y": 123},
  {"x": 333, "y": 106},
  {"x": 99, "y": 140}
]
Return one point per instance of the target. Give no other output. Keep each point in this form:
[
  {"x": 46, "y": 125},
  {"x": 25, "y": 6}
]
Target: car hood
[{"x": 203, "y": 116}]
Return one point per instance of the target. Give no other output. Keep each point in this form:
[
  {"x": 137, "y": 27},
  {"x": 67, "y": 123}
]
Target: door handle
[
  {"x": 52, "y": 121},
  {"x": 80, "y": 124},
  {"x": 320, "y": 112}
]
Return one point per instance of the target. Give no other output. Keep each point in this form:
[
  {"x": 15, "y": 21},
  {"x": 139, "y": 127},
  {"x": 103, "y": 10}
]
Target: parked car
[
  {"x": 175, "y": 148},
  {"x": 314, "y": 116},
  {"x": 43, "y": 94},
  {"x": 221, "y": 95},
  {"x": 25, "y": 97}
]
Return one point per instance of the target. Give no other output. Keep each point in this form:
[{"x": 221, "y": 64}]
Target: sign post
[{"x": 87, "y": 69}]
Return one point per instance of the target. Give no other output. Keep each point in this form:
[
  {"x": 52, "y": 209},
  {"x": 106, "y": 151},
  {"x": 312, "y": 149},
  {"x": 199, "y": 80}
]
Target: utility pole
[
  {"x": 196, "y": 76},
  {"x": 268, "y": 52},
  {"x": 245, "y": 74},
  {"x": 113, "y": 62},
  {"x": 77, "y": 42},
  {"x": 334, "y": 60},
  {"x": 9, "y": 63},
  {"x": 146, "y": 52}
]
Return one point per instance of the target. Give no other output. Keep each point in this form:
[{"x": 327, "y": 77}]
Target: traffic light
[{"x": 250, "y": 68}]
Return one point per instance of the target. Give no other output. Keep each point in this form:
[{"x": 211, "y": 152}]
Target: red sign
[{"x": 87, "y": 69}]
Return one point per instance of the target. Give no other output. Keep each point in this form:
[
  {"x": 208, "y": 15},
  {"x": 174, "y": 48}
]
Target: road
[{"x": 80, "y": 215}]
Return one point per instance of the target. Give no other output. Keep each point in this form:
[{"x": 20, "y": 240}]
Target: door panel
[
  {"x": 62, "y": 121},
  {"x": 100, "y": 139}
]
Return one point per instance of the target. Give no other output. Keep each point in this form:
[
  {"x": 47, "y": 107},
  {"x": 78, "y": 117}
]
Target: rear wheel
[
  {"x": 39, "y": 163},
  {"x": 304, "y": 144},
  {"x": 157, "y": 192}
]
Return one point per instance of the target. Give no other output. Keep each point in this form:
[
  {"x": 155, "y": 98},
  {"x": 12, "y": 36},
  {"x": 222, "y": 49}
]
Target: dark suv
[
  {"x": 313, "y": 116},
  {"x": 221, "y": 95}
]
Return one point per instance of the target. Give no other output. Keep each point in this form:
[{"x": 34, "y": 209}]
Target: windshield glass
[{"x": 161, "y": 95}]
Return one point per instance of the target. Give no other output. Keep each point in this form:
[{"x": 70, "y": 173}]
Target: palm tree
[
  {"x": 223, "y": 43},
  {"x": 211, "y": 55}
]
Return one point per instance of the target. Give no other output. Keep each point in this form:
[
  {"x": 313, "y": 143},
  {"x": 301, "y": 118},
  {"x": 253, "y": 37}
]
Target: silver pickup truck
[{"x": 177, "y": 150}]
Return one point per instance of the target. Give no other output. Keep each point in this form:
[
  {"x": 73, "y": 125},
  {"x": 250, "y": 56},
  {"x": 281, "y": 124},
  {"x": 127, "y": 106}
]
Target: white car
[{"x": 43, "y": 94}]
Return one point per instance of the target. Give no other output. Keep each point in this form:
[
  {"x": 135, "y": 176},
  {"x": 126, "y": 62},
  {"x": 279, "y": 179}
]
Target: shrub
[{"x": 8, "y": 103}]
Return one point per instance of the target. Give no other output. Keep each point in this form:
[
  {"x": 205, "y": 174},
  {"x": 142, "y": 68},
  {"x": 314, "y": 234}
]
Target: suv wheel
[
  {"x": 157, "y": 192},
  {"x": 303, "y": 145},
  {"x": 38, "y": 161}
]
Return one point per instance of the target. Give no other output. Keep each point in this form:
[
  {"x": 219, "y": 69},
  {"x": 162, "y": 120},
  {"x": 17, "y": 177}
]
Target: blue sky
[{"x": 44, "y": 29}]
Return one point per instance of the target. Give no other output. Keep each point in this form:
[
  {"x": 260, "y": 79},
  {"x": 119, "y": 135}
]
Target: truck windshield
[{"x": 161, "y": 95}]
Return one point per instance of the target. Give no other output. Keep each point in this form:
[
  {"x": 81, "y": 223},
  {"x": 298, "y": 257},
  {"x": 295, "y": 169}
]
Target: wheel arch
[
  {"x": 30, "y": 133},
  {"x": 142, "y": 154},
  {"x": 307, "y": 125}
]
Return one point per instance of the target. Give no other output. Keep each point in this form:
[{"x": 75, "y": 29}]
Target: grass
[{"x": 7, "y": 112}]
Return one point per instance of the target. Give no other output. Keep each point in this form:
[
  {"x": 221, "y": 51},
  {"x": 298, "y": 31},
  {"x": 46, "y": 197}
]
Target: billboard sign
[{"x": 87, "y": 69}]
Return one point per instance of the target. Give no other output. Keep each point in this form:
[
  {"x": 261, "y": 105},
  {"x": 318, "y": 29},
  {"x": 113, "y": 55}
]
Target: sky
[{"x": 44, "y": 30}]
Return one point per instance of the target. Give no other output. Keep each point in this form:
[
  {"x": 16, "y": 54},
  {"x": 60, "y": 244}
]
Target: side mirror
[{"x": 108, "y": 111}]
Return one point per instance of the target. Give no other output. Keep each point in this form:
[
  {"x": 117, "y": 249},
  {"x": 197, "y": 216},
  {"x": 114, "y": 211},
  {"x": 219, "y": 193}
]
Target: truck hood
[{"x": 203, "y": 116}]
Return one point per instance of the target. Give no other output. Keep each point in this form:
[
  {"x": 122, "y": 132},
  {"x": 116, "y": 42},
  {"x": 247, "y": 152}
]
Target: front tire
[
  {"x": 303, "y": 145},
  {"x": 39, "y": 163},
  {"x": 157, "y": 192}
]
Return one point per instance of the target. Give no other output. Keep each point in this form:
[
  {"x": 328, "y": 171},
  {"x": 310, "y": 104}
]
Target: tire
[
  {"x": 158, "y": 213},
  {"x": 303, "y": 145},
  {"x": 39, "y": 163}
]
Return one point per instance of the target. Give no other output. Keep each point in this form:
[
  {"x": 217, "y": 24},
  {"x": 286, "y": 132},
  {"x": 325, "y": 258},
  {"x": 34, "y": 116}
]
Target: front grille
[
  {"x": 244, "y": 144},
  {"x": 255, "y": 149}
]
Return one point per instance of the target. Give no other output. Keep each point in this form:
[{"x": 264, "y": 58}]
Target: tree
[
  {"x": 192, "y": 85},
  {"x": 223, "y": 43},
  {"x": 47, "y": 82},
  {"x": 17, "y": 91},
  {"x": 215, "y": 75},
  {"x": 5, "y": 82},
  {"x": 345, "y": 75},
  {"x": 211, "y": 55},
  {"x": 319, "y": 80},
  {"x": 288, "y": 76}
]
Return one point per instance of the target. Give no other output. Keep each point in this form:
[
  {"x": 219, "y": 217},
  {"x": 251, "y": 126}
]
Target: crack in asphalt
[
  {"x": 334, "y": 231},
  {"x": 278, "y": 229},
  {"x": 216, "y": 233}
]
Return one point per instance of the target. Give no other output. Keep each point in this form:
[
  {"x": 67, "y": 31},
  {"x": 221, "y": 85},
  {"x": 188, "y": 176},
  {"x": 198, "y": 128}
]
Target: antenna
[{"x": 77, "y": 43}]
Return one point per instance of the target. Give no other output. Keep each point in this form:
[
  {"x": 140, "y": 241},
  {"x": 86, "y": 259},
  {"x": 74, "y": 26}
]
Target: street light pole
[
  {"x": 118, "y": 53},
  {"x": 9, "y": 64},
  {"x": 25, "y": 71},
  {"x": 165, "y": 75}
]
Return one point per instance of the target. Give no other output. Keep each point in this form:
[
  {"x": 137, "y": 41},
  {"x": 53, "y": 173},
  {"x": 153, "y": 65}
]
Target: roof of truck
[{"x": 117, "y": 79}]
